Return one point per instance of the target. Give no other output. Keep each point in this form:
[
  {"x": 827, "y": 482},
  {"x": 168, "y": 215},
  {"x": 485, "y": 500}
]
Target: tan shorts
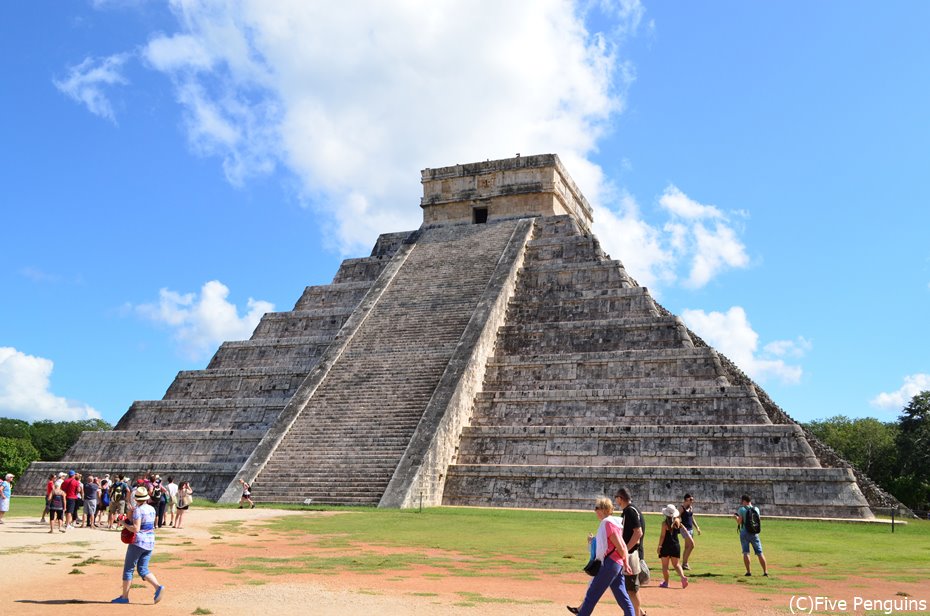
[{"x": 117, "y": 506}]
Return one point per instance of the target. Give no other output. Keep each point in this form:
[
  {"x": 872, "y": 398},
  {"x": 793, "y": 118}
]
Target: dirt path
[{"x": 78, "y": 572}]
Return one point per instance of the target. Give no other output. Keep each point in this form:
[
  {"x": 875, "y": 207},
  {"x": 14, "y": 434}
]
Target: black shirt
[{"x": 631, "y": 521}]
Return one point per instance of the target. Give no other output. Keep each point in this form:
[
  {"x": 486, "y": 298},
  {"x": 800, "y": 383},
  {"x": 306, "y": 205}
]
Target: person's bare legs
[
  {"x": 665, "y": 569},
  {"x": 765, "y": 566},
  {"x": 689, "y": 547}
]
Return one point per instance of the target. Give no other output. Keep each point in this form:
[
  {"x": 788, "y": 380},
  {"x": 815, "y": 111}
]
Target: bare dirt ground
[{"x": 78, "y": 572}]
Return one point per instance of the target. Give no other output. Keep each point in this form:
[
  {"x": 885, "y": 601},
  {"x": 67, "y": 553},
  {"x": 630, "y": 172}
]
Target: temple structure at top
[{"x": 494, "y": 356}]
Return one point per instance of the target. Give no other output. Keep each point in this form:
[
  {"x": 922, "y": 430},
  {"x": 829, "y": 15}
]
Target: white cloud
[
  {"x": 731, "y": 333},
  {"x": 897, "y": 400},
  {"x": 693, "y": 246},
  {"x": 201, "y": 323},
  {"x": 25, "y": 382},
  {"x": 86, "y": 83},
  {"x": 356, "y": 101}
]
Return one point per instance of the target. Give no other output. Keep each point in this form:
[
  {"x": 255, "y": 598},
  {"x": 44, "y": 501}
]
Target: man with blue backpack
[{"x": 749, "y": 525}]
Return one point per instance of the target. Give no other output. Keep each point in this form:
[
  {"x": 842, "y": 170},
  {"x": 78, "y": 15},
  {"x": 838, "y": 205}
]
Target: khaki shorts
[
  {"x": 632, "y": 581},
  {"x": 117, "y": 506}
]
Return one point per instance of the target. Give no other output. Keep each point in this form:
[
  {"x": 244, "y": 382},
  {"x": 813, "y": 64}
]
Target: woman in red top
[{"x": 610, "y": 549}]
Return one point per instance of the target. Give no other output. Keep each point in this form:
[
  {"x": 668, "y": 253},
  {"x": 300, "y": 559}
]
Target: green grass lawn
[{"x": 526, "y": 544}]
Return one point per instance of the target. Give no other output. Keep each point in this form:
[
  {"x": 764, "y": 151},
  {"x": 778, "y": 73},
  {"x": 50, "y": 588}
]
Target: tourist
[
  {"x": 6, "y": 494},
  {"x": 142, "y": 523},
  {"x": 669, "y": 549},
  {"x": 103, "y": 502},
  {"x": 118, "y": 497},
  {"x": 690, "y": 527},
  {"x": 747, "y": 538},
  {"x": 634, "y": 527},
  {"x": 246, "y": 495},
  {"x": 172, "y": 499},
  {"x": 56, "y": 507},
  {"x": 71, "y": 487},
  {"x": 185, "y": 498},
  {"x": 611, "y": 551},
  {"x": 91, "y": 490},
  {"x": 159, "y": 496},
  {"x": 49, "y": 485},
  {"x": 79, "y": 502}
]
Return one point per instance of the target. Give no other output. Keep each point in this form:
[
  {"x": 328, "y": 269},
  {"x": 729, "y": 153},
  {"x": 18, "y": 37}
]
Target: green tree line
[
  {"x": 22, "y": 443},
  {"x": 896, "y": 455}
]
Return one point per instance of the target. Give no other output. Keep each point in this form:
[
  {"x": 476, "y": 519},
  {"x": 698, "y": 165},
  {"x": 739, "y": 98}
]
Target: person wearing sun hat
[
  {"x": 141, "y": 521},
  {"x": 669, "y": 548}
]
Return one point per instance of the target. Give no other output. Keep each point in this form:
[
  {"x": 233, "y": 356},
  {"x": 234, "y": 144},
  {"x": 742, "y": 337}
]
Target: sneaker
[
  {"x": 573, "y": 610},
  {"x": 684, "y": 582},
  {"x": 748, "y": 574},
  {"x": 120, "y": 599},
  {"x": 158, "y": 593},
  {"x": 766, "y": 574},
  {"x": 663, "y": 585},
  {"x": 686, "y": 567}
]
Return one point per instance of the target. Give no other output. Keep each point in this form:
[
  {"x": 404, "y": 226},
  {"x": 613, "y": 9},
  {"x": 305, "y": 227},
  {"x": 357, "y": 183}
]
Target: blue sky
[{"x": 171, "y": 171}]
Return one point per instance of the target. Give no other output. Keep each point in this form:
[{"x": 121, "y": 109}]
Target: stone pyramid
[{"x": 495, "y": 356}]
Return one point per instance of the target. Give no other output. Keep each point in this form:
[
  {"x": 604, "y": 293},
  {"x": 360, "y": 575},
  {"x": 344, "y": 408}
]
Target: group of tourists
[
  {"x": 618, "y": 556},
  {"x": 73, "y": 501}
]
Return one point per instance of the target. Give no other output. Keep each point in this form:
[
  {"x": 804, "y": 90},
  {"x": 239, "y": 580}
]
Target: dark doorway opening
[{"x": 479, "y": 215}]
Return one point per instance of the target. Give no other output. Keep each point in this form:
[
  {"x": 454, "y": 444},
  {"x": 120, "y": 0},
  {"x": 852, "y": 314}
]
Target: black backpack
[{"x": 753, "y": 521}]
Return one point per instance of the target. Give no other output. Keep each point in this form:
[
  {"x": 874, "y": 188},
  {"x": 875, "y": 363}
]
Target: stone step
[
  {"x": 266, "y": 382},
  {"x": 718, "y": 405},
  {"x": 600, "y": 335},
  {"x": 301, "y": 323},
  {"x": 581, "y": 309},
  {"x": 649, "y": 445},
  {"x": 343, "y": 294},
  {"x": 218, "y": 413},
  {"x": 288, "y": 353},
  {"x": 573, "y": 249},
  {"x": 778, "y": 491},
  {"x": 521, "y": 383},
  {"x": 162, "y": 446},
  {"x": 678, "y": 367},
  {"x": 361, "y": 269}
]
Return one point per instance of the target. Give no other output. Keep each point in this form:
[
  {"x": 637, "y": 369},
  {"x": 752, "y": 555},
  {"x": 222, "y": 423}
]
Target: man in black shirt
[{"x": 633, "y": 528}]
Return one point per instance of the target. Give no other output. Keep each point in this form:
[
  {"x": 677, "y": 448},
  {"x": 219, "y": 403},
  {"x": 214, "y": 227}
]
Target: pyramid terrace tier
[
  {"x": 692, "y": 405},
  {"x": 641, "y": 445},
  {"x": 573, "y": 304},
  {"x": 337, "y": 295},
  {"x": 166, "y": 446},
  {"x": 298, "y": 353},
  {"x": 364, "y": 269},
  {"x": 596, "y": 336},
  {"x": 565, "y": 249},
  {"x": 678, "y": 367},
  {"x": 207, "y": 479},
  {"x": 548, "y": 277},
  {"x": 297, "y": 323},
  {"x": 235, "y": 383},
  {"x": 778, "y": 491},
  {"x": 193, "y": 414}
]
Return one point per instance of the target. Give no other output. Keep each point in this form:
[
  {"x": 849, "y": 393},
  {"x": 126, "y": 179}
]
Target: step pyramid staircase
[
  {"x": 495, "y": 357},
  {"x": 593, "y": 387},
  {"x": 210, "y": 421}
]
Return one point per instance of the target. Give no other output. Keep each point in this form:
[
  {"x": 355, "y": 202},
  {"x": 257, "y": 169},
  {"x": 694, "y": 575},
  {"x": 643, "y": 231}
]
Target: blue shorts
[
  {"x": 136, "y": 558},
  {"x": 747, "y": 539}
]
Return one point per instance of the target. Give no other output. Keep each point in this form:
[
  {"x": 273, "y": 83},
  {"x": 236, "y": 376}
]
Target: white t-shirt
[{"x": 173, "y": 491}]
